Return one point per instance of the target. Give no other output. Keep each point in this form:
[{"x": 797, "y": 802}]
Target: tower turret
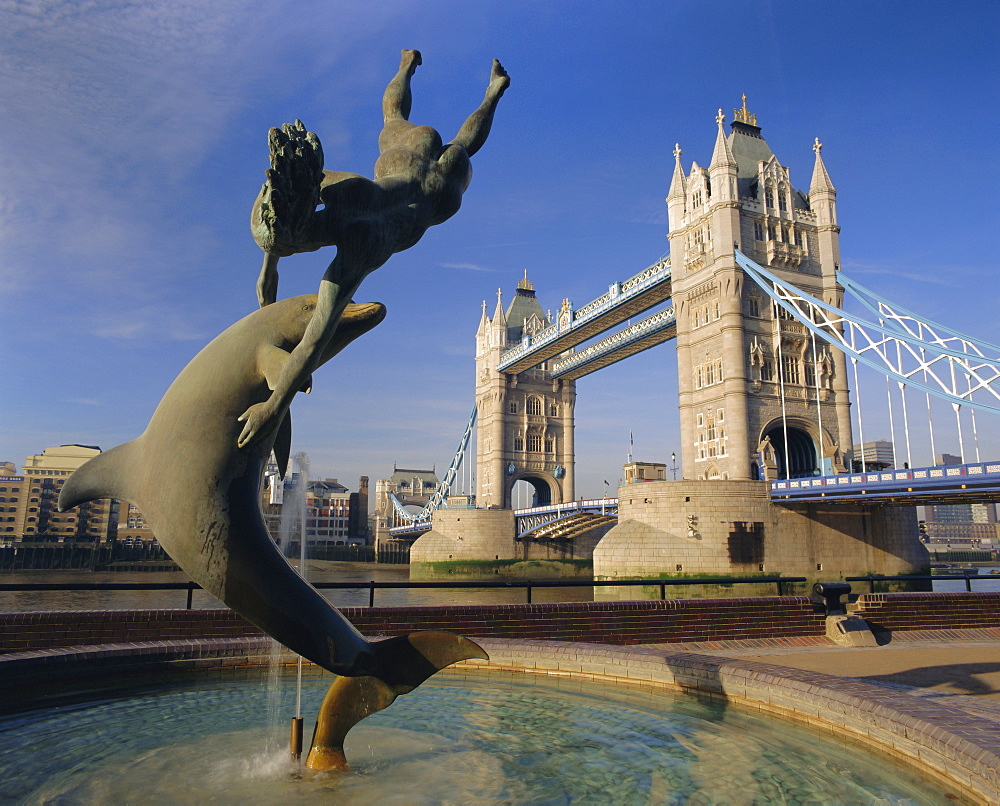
[
  {"x": 525, "y": 420},
  {"x": 740, "y": 365}
]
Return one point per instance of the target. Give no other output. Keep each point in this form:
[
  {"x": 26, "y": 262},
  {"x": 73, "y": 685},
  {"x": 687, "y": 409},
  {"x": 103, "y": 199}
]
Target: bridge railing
[
  {"x": 532, "y": 518},
  {"x": 913, "y": 479},
  {"x": 527, "y": 584},
  {"x": 567, "y": 506},
  {"x": 418, "y": 527}
]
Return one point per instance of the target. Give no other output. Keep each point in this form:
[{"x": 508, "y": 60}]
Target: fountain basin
[
  {"x": 931, "y": 738},
  {"x": 468, "y": 736}
]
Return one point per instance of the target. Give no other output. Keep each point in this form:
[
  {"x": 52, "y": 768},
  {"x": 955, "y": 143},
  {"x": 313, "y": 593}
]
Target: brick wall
[
  {"x": 929, "y": 611},
  {"x": 671, "y": 621},
  {"x": 633, "y": 622},
  {"x": 20, "y": 632},
  {"x": 602, "y": 622}
]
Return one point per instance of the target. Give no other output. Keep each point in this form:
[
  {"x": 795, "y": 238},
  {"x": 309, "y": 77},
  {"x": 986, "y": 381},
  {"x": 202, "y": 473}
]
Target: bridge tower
[
  {"x": 524, "y": 420},
  {"x": 757, "y": 397}
]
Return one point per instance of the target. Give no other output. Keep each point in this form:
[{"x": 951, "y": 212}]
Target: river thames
[{"x": 320, "y": 571}]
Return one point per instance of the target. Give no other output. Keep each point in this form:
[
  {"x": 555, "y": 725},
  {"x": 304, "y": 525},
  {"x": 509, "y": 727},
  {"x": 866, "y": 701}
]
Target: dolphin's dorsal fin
[
  {"x": 283, "y": 443},
  {"x": 271, "y": 360},
  {"x": 107, "y": 475}
]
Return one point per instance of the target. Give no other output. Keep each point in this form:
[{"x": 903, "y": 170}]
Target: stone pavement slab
[{"x": 951, "y": 662}]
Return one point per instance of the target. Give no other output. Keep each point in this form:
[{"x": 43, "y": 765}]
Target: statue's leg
[
  {"x": 397, "y": 98},
  {"x": 477, "y": 127}
]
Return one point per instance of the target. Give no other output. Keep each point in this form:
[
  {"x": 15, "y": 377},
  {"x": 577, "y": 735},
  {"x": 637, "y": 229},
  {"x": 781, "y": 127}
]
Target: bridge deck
[
  {"x": 646, "y": 333},
  {"x": 960, "y": 484},
  {"x": 637, "y": 294}
]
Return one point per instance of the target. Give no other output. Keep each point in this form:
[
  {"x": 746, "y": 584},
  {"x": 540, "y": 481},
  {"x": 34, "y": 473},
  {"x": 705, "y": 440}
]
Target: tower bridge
[{"x": 753, "y": 297}]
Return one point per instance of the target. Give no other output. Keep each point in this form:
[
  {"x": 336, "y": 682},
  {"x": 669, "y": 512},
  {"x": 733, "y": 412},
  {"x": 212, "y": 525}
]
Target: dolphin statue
[{"x": 199, "y": 493}]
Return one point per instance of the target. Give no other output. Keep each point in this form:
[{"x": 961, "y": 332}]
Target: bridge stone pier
[
  {"x": 719, "y": 528},
  {"x": 478, "y": 542}
]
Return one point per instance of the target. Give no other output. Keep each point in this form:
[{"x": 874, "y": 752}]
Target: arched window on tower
[{"x": 534, "y": 406}]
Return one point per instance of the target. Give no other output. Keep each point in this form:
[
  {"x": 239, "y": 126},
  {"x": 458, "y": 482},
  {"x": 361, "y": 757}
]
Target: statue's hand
[
  {"x": 258, "y": 422},
  {"x": 290, "y": 195}
]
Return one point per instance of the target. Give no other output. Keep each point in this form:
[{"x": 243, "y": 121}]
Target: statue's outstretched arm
[
  {"x": 477, "y": 127},
  {"x": 267, "y": 282}
]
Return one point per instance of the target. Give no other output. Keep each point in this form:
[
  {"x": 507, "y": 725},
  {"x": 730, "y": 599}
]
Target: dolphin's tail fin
[
  {"x": 407, "y": 661},
  {"x": 104, "y": 476},
  {"x": 402, "y": 664}
]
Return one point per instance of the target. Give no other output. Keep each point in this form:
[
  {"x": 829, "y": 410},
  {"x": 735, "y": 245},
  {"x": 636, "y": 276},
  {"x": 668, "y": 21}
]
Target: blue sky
[{"x": 133, "y": 142}]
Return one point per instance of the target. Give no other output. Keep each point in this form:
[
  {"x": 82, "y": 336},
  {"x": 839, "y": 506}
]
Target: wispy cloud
[
  {"x": 87, "y": 401},
  {"x": 147, "y": 322},
  {"x": 944, "y": 277},
  {"x": 468, "y": 267}
]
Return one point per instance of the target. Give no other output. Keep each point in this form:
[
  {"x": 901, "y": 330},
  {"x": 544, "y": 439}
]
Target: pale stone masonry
[
  {"x": 735, "y": 353},
  {"x": 758, "y": 398},
  {"x": 467, "y": 534},
  {"x": 525, "y": 421},
  {"x": 699, "y": 527}
]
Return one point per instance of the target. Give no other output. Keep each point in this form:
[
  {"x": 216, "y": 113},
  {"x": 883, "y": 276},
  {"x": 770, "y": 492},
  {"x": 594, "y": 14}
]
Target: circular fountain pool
[{"x": 462, "y": 737}]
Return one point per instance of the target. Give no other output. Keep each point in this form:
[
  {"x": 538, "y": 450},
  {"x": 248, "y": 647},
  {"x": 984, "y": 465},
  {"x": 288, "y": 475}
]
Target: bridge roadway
[
  {"x": 531, "y": 517},
  {"x": 977, "y": 483},
  {"x": 623, "y": 300},
  {"x": 646, "y": 333}
]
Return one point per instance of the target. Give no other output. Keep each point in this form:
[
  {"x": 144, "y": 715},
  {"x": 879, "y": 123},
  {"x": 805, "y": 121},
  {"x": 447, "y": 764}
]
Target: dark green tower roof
[{"x": 524, "y": 305}]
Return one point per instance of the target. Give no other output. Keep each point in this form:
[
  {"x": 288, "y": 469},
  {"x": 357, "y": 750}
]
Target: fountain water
[
  {"x": 460, "y": 738},
  {"x": 292, "y": 532}
]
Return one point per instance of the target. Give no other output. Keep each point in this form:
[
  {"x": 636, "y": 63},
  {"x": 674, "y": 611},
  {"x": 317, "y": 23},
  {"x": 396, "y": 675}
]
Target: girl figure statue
[{"x": 419, "y": 182}]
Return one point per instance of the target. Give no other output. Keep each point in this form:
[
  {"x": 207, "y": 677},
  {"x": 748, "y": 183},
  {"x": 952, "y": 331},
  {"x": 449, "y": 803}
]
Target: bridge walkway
[{"x": 569, "y": 527}]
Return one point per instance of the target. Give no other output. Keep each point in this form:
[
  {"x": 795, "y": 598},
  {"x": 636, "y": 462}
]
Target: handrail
[
  {"x": 374, "y": 585},
  {"x": 871, "y": 580}
]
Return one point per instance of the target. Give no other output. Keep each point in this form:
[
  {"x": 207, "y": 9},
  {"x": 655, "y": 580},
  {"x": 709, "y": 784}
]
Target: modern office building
[
  {"x": 959, "y": 524},
  {"x": 29, "y": 501},
  {"x": 876, "y": 455}
]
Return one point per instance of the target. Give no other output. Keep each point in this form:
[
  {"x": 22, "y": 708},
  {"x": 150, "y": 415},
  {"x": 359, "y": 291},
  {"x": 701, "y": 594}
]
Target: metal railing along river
[
  {"x": 373, "y": 585},
  {"x": 871, "y": 580}
]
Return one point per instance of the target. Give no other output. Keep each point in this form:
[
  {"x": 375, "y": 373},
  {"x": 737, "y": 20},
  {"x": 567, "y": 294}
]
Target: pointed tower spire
[
  {"x": 677, "y": 182},
  {"x": 499, "y": 317},
  {"x": 722, "y": 156},
  {"x": 484, "y": 322},
  {"x": 499, "y": 323},
  {"x": 820, "y": 178}
]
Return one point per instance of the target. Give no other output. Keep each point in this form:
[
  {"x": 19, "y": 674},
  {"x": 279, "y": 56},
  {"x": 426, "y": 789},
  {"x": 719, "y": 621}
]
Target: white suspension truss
[
  {"x": 440, "y": 496},
  {"x": 903, "y": 345}
]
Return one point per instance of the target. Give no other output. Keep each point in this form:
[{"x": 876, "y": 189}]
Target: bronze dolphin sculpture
[{"x": 199, "y": 493}]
